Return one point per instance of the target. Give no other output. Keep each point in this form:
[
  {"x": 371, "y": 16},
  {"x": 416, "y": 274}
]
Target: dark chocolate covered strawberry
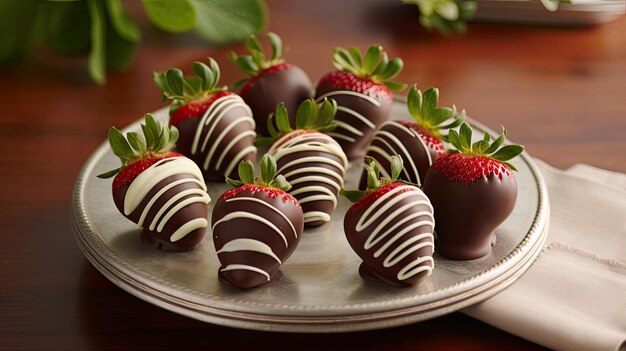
[
  {"x": 473, "y": 190},
  {"x": 270, "y": 81},
  {"x": 390, "y": 226},
  {"x": 420, "y": 142},
  {"x": 311, "y": 161},
  {"x": 362, "y": 87},
  {"x": 162, "y": 191},
  {"x": 216, "y": 126},
  {"x": 256, "y": 226}
]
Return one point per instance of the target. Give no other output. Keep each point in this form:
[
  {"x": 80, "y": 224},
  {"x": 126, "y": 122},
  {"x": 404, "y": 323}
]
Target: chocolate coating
[
  {"x": 253, "y": 234},
  {"x": 161, "y": 239},
  {"x": 375, "y": 109},
  {"x": 393, "y": 233},
  {"x": 396, "y": 139},
  {"x": 467, "y": 215},
  {"x": 290, "y": 85},
  {"x": 314, "y": 164},
  {"x": 230, "y": 130}
]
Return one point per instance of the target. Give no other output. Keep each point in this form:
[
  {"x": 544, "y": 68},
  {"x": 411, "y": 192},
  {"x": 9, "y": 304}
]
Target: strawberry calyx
[
  {"x": 369, "y": 198},
  {"x": 268, "y": 178},
  {"x": 310, "y": 116},
  {"x": 375, "y": 183},
  {"x": 430, "y": 140},
  {"x": 374, "y": 66},
  {"x": 471, "y": 161},
  {"x": 351, "y": 81},
  {"x": 431, "y": 118},
  {"x": 195, "y": 108},
  {"x": 187, "y": 89},
  {"x": 155, "y": 143},
  {"x": 249, "y": 83},
  {"x": 256, "y": 65}
]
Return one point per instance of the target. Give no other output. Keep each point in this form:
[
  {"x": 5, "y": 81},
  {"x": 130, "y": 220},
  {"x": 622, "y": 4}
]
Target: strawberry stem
[
  {"x": 430, "y": 117},
  {"x": 256, "y": 62},
  {"x": 376, "y": 65}
]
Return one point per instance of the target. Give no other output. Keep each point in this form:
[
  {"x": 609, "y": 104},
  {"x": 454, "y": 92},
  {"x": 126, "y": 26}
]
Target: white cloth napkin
[{"x": 573, "y": 297}]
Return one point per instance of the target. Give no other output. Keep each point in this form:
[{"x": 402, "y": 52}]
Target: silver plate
[{"x": 321, "y": 290}]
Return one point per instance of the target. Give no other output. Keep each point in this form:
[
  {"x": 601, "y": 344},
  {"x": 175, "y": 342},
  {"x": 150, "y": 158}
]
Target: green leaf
[
  {"x": 204, "y": 73},
  {"x": 454, "y": 139},
  {"x": 326, "y": 113},
  {"x": 486, "y": 137},
  {"x": 382, "y": 65},
  {"x": 510, "y": 166},
  {"x": 352, "y": 195},
  {"x": 396, "y": 167},
  {"x": 393, "y": 69},
  {"x": 174, "y": 16},
  {"x": 154, "y": 128},
  {"x": 234, "y": 183},
  {"x": 119, "y": 144},
  {"x": 355, "y": 53},
  {"x": 414, "y": 103},
  {"x": 109, "y": 174},
  {"x": 395, "y": 86},
  {"x": 246, "y": 172},
  {"x": 282, "y": 118},
  {"x": 440, "y": 115},
  {"x": 229, "y": 21},
  {"x": 264, "y": 141},
  {"x": 328, "y": 128},
  {"x": 149, "y": 135},
  {"x": 280, "y": 183},
  {"x": 174, "y": 135},
  {"x": 96, "y": 61},
  {"x": 22, "y": 24},
  {"x": 67, "y": 26},
  {"x": 343, "y": 61},
  {"x": 508, "y": 152},
  {"x": 277, "y": 46},
  {"x": 119, "y": 51},
  {"x": 373, "y": 181},
  {"x": 495, "y": 145},
  {"x": 174, "y": 78},
  {"x": 448, "y": 11},
  {"x": 193, "y": 84},
  {"x": 457, "y": 122},
  {"x": 465, "y": 134},
  {"x": 161, "y": 81},
  {"x": 430, "y": 98},
  {"x": 121, "y": 21},
  {"x": 253, "y": 44},
  {"x": 480, "y": 146},
  {"x": 215, "y": 68},
  {"x": 268, "y": 168},
  {"x": 306, "y": 114},
  {"x": 137, "y": 142},
  {"x": 371, "y": 58},
  {"x": 247, "y": 64}
]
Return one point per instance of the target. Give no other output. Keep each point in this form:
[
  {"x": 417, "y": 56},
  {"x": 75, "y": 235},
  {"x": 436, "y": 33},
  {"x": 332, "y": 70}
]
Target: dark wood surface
[{"x": 559, "y": 91}]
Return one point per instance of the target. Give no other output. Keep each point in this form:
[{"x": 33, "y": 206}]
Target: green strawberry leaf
[
  {"x": 507, "y": 152},
  {"x": 137, "y": 142},
  {"x": 372, "y": 58},
  {"x": 122, "y": 22},
  {"x": 281, "y": 183},
  {"x": 172, "y": 16},
  {"x": 109, "y": 174},
  {"x": 229, "y": 21},
  {"x": 352, "y": 195},
  {"x": 246, "y": 172},
  {"x": 282, "y": 119},
  {"x": 277, "y": 46},
  {"x": 396, "y": 167},
  {"x": 268, "y": 168},
  {"x": 97, "y": 55},
  {"x": 234, "y": 183}
]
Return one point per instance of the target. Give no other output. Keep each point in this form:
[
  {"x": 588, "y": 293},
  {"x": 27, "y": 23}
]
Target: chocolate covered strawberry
[
  {"x": 420, "y": 142},
  {"x": 390, "y": 226},
  {"x": 271, "y": 81},
  {"x": 162, "y": 191},
  {"x": 216, "y": 126},
  {"x": 311, "y": 161},
  {"x": 362, "y": 87},
  {"x": 256, "y": 226},
  {"x": 473, "y": 190}
]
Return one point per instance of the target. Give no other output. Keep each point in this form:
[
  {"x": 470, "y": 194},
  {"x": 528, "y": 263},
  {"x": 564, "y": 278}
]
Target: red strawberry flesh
[
  {"x": 271, "y": 192},
  {"x": 369, "y": 199},
  {"x": 350, "y": 81},
  {"x": 265, "y": 72},
  {"x": 466, "y": 169},
  {"x": 195, "y": 108},
  {"x": 128, "y": 174}
]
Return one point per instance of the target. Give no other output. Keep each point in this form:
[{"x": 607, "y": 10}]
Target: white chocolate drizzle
[
  {"x": 212, "y": 117},
  {"x": 404, "y": 224},
  {"x": 306, "y": 169},
  {"x": 344, "y": 130},
  {"x": 393, "y": 146},
  {"x": 153, "y": 175}
]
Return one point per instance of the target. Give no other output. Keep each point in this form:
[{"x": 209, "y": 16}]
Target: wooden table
[{"x": 559, "y": 91}]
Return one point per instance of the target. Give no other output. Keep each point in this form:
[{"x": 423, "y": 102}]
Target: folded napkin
[{"x": 573, "y": 297}]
